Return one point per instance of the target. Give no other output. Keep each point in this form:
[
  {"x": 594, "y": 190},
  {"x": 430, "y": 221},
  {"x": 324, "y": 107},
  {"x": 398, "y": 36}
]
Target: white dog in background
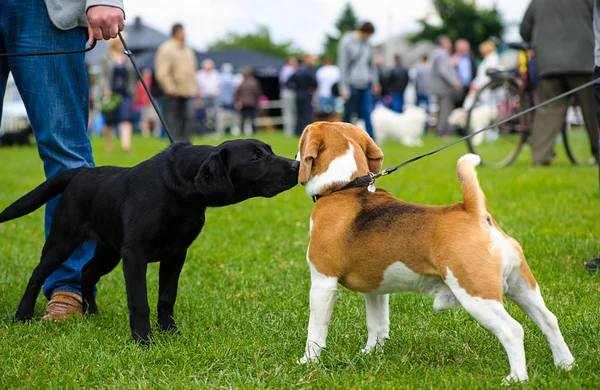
[
  {"x": 481, "y": 116},
  {"x": 407, "y": 128}
]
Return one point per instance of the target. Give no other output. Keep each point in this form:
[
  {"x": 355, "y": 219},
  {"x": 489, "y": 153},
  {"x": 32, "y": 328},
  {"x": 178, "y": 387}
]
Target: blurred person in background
[
  {"x": 359, "y": 80},
  {"x": 175, "y": 66},
  {"x": 55, "y": 92},
  {"x": 444, "y": 83},
  {"x": 209, "y": 82},
  {"x": 383, "y": 75},
  {"x": 465, "y": 66},
  {"x": 288, "y": 96},
  {"x": 326, "y": 76},
  {"x": 304, "y": 84},
  {"x": 594, "y": 264},
  {"x": 247, "y": 98},
  {"x": 226, "y": 115},
  {"x": 117, "y": 83},
  {"x": 562, "y": 36},
  {"x": 421, "y": 81},
  {"x": 148, "y": 116},
  {"x": 490, "y": 61},
  {"x": 398, "y": 81}
]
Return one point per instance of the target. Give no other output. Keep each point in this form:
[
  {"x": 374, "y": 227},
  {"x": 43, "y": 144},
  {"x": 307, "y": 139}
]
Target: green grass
[{"x": 243, "y": 294}]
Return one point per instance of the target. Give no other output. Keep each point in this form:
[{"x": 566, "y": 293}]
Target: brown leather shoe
[{"x": 63, "y": 305}]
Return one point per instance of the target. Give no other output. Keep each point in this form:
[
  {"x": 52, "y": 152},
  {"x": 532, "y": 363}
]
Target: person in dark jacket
[
  {"x": 594, "y": 264},
  {"x": 397, "y": 82},
  {"x": 247, "y": 98},
  {"x": 304, "y": 83},
  {"x": 561, "y": 34},
  {"x": 384, "y": 74},
  {"x": 465, "y": 66}
]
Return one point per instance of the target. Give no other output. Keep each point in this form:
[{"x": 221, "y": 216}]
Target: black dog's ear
[{"x": 213, "y": 176}]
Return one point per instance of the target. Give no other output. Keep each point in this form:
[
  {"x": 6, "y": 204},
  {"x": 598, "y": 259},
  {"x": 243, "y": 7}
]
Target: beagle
[{"x": 374, "y": 244}]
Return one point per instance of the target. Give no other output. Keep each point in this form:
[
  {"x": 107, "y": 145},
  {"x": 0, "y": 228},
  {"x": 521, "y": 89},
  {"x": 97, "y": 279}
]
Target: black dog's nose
[{"x": 296, "y": 165}]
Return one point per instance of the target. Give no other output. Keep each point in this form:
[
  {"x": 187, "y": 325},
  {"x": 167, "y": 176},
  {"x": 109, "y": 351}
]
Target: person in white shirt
[
  {"x": 327, "y": 75},
  {"x": 288, "y": 96},
  {"x": 209, "y": 82},
  {"x": 491, "y": 60}
]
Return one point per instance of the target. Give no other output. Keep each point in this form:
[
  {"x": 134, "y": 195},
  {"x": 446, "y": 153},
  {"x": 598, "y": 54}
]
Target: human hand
[
  {"x": 458, "y": 87},
  {"x": 104, "y": 22},
  {"x": 345, "y": 95},
  {"x": 171, "y": 92},
  {"x": 376, "y": 89}
]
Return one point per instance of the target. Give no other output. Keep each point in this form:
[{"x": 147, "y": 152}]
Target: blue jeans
[
  {"x": 326, "y": 104},
  {"x": 398, "y": 102},
  {"x": 56, "y": 94},
  {"x": 423, "y": 98},
  {"x": 360, "y": 103}
]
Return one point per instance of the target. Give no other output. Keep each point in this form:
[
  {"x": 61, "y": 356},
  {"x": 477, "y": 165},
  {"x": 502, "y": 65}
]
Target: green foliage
[
  {"x": 243, "y": 306},
  {"x": 259, "y": 41},
  {"x": 462, "y": 19},
  {"x": 346, "y": 22}
]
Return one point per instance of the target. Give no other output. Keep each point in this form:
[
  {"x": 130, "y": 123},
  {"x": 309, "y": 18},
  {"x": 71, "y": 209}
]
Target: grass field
[{"x": 243, "y": 295}]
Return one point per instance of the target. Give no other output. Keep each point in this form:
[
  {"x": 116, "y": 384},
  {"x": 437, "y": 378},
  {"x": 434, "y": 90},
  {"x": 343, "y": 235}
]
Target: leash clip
[{"x": 371, "y": 187}]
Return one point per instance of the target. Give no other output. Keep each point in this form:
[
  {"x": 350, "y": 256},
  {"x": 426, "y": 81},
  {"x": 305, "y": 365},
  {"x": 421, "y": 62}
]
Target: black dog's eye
[{"x": 256, "y": 157}]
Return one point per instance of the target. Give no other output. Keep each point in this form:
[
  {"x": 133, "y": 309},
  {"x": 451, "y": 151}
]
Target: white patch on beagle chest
[
  {"x": 398, "y": 277},
  {"x": 340, "y": 170}
]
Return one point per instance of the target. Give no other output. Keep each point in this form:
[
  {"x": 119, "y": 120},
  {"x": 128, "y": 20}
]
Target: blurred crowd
[
  {"x": 219, "y": 101},
  {"x": 346, "y": 88}
]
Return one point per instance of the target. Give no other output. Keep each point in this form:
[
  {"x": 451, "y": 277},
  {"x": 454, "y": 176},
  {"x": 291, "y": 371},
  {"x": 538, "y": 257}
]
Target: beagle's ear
[
  {"x": 309, "y": 149},
  {"x": 374, "y": 155},
  {"x": 213, "y": 176}
]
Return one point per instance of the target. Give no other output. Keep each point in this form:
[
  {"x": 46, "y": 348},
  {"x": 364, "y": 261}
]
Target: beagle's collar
[{"x": 361, "y": 181}]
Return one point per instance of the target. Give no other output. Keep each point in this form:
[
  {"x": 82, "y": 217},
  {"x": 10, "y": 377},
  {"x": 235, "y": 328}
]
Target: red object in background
[{"x": 142, "y": 98}]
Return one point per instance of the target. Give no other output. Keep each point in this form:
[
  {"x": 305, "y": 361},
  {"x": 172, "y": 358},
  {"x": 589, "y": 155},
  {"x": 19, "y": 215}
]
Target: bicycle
[{"x": 507, "y": 93}]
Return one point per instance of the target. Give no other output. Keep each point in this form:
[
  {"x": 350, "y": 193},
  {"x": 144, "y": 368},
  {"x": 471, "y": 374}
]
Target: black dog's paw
[
  {"x": 91, "y": 309},
  {"x": 23, "y": 317},
  {"x": 169, "y": 327},
  {"x": 144, "y": 339}
]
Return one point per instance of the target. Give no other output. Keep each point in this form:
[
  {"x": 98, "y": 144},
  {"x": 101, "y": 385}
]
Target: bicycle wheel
[
  {"x": 497, "y": 100},
  {"x": 575, "y": 138}
]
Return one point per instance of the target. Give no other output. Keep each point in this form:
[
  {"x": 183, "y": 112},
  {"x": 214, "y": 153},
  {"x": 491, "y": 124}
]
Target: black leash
[
  {"x": 49, "y": 53},
  {"x": 127, "y": 52},
  {"x": 371, "y": 177}
]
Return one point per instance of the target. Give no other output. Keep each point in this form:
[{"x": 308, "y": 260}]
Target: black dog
[
  {"x": 148, "y": 213},
  {"x": 17, "y": 138}
]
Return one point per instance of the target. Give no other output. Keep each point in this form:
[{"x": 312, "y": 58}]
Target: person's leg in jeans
[
  {"x": 366, "y": 107},
  {"x": 303, "y": 113},
  {"x": 549, "y": 119},
  {"x": 398, "y": 102},
  {"x": 56, "y": 94},
  {"x": 352, "y": 106},
  {"x": 586, "y": 101}
]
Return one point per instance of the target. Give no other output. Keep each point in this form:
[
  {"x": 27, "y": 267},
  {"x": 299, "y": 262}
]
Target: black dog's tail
[{"x": 39, "y": 196}]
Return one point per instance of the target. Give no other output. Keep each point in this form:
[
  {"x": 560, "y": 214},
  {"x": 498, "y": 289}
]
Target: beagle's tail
[{"x": 474, "y": 199}]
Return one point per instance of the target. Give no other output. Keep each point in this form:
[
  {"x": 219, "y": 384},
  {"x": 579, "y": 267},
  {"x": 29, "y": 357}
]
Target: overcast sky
[{"x": 304, "y": 21}]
